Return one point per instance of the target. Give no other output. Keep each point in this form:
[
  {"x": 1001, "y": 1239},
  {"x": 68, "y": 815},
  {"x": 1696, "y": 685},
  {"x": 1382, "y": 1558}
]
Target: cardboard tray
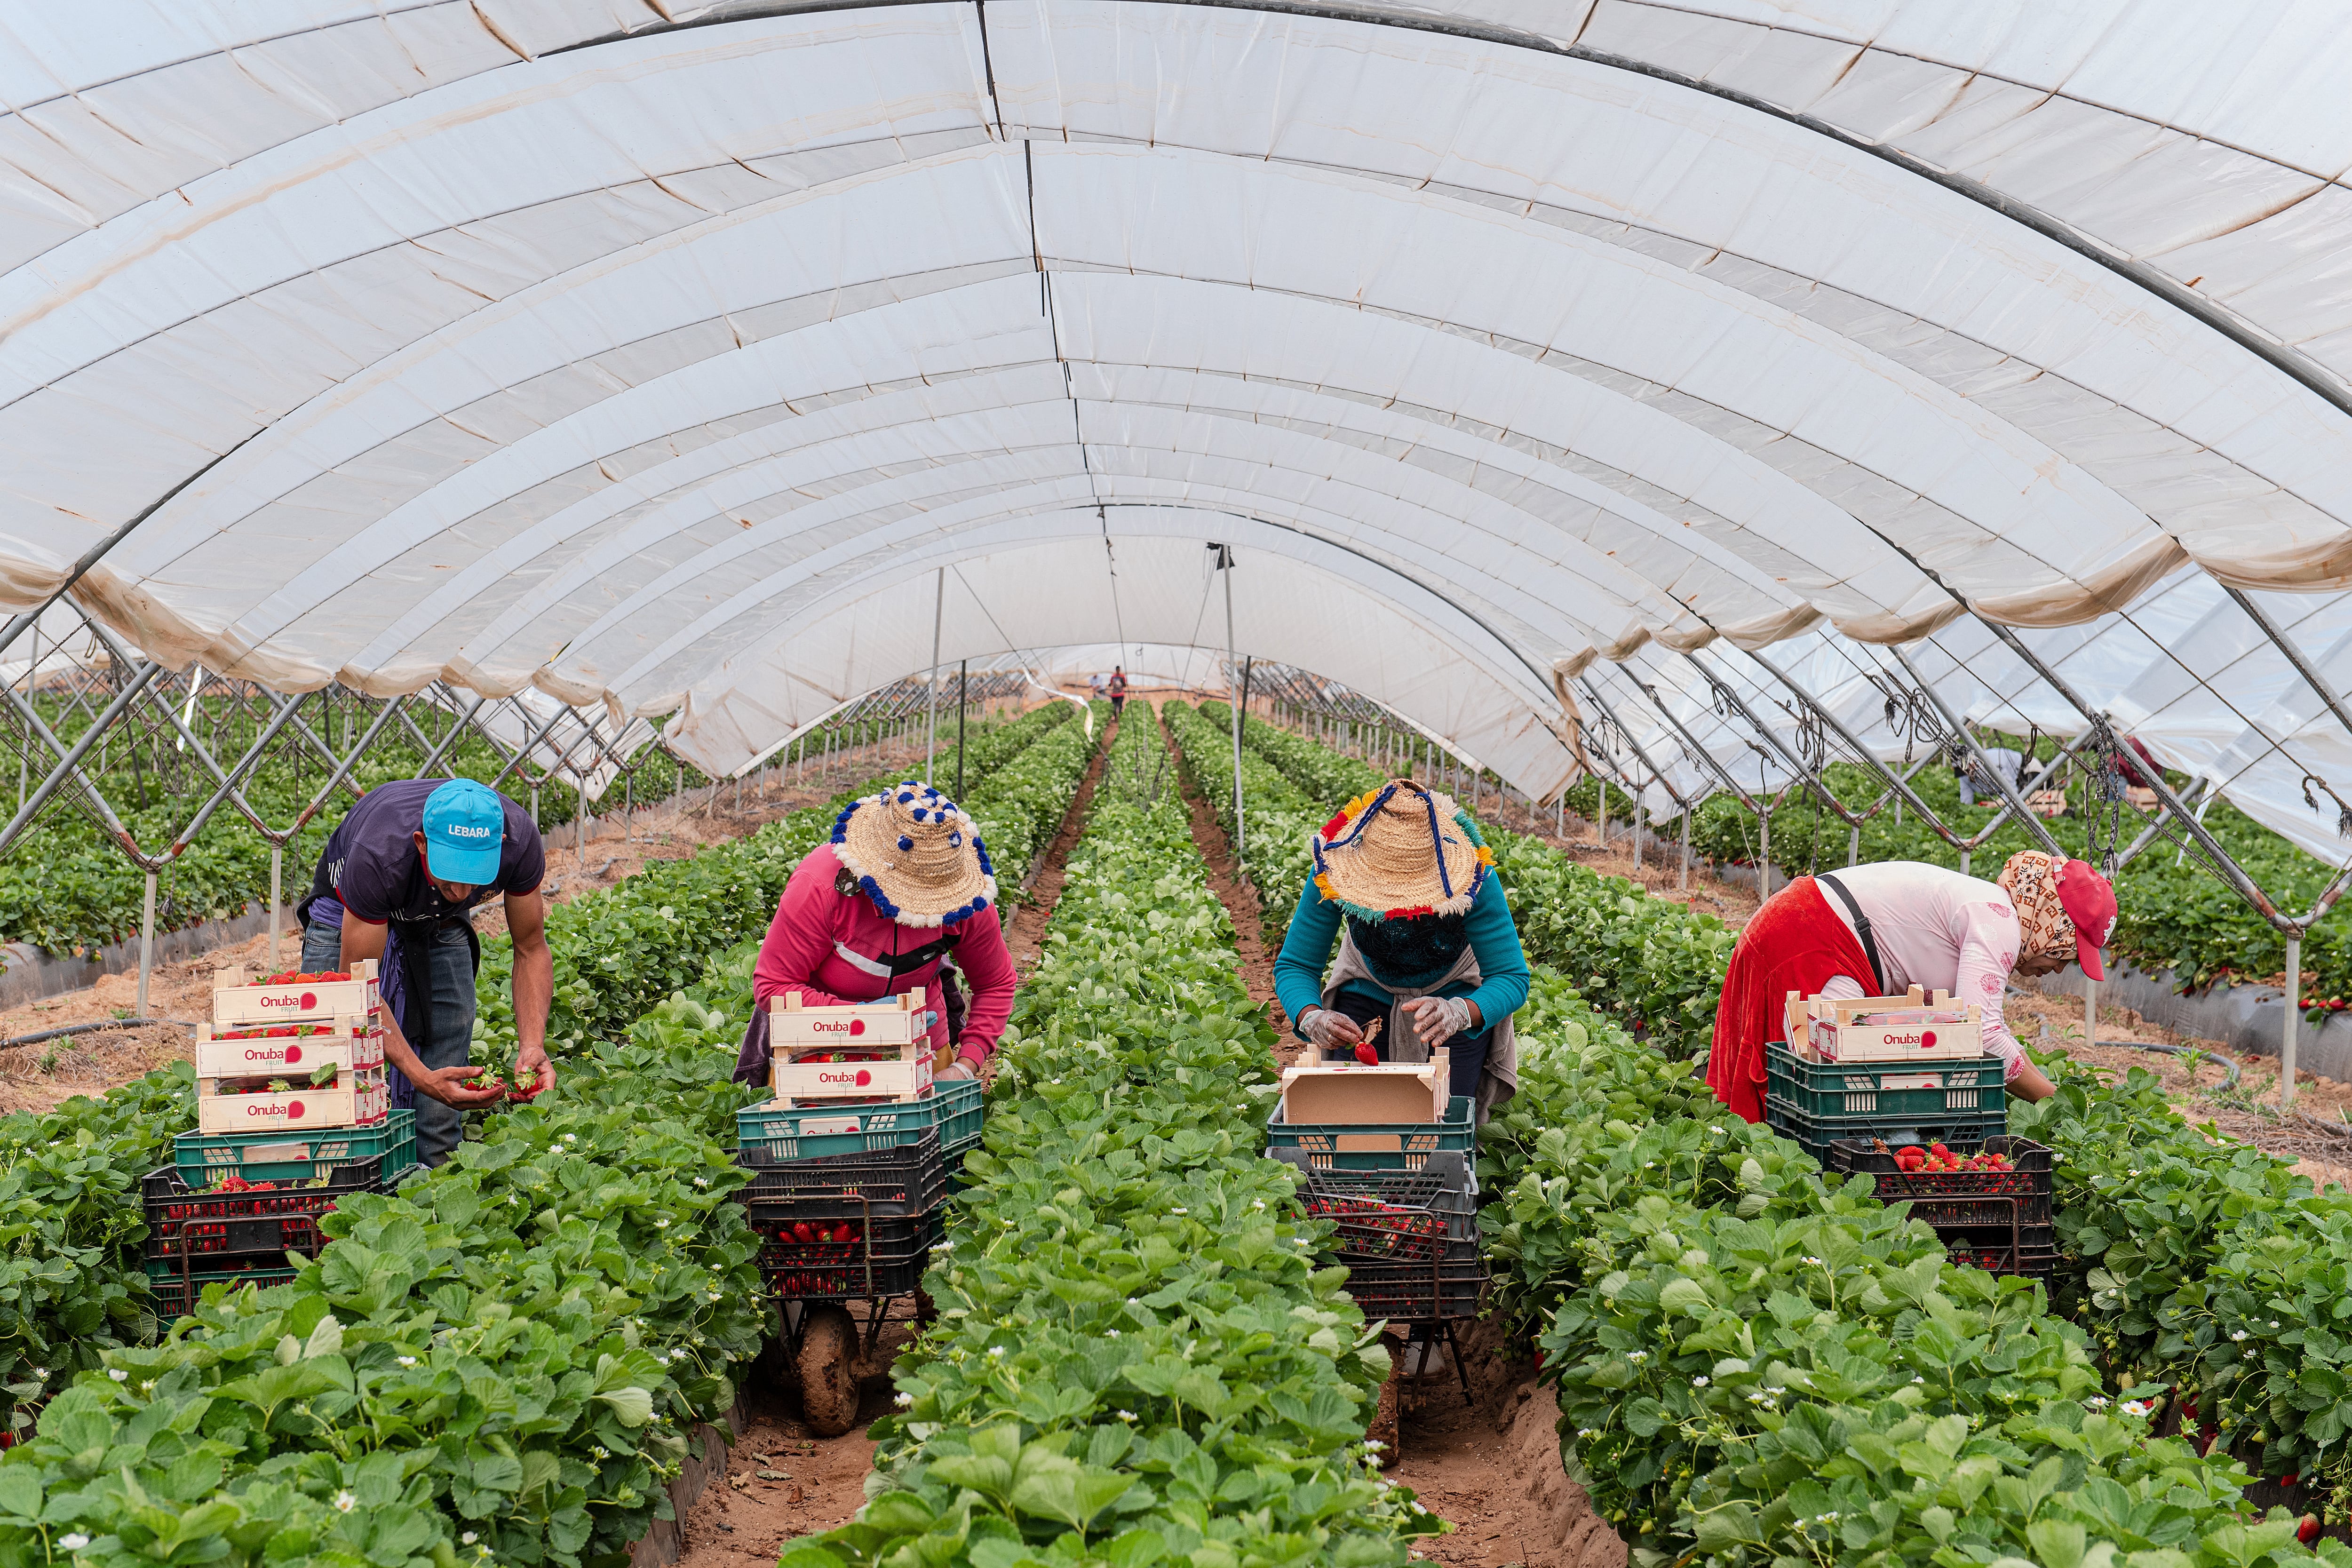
[
  {"x": 236, "y": 1003},
  {"x": 300, "y": 1110},
  {"x": 1352, "y": 1094},
  {"x": 804, "y": 1082},
  {"x": 1830, "y": 1031},
  {"x": 890, "y": 1021},
  {"x": 282, "y": 1056}
]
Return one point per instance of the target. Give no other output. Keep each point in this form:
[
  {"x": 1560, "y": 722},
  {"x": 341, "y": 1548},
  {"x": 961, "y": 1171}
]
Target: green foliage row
[
  {"x": 497, "y": 1361},
  {"x": 1137, "y": 1361},
  {"x": 2207, "y": 1266},
  {"x": 1757, "y": 1365},
  {"x": 1280, "y": 815},
  {"x": 65, "y": 887}
]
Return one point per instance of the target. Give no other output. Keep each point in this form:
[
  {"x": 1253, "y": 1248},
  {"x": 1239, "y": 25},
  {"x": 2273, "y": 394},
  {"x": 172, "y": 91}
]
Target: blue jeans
[
  {"x": 449, "y": 961},
  {"x": 1467, "y": 1058}
]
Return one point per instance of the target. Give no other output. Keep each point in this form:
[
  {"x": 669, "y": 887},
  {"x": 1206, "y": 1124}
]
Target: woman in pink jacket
[{"x": 905, "y": 884}]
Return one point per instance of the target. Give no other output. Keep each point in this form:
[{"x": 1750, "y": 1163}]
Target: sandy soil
[
  {"x": 41, "y": 1075},
  {"x": 784, "y": 1481}
]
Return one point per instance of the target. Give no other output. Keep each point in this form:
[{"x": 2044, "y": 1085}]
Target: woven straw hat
[
  {"x": 1401, "y": 852},
  {"x": 916, "y": 853}
]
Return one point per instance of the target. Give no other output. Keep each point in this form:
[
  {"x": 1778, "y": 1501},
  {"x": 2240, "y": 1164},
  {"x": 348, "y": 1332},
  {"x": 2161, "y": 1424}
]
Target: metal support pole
[
  {"x": 1233, "y": 667},
  {"x": 1853, "y": 846},
  {"x": 964, "y": 680},
  {"x": 931, "y": 726},
  {"x": 1682, "y": 883},
  {"x": 1604, "y": 812},
  {"x": 1764, "y": 860},
  {"x": 2287, "y": 1034},
  {"x": 276, "y": 902},
  {"x": 146, "y": 945}
]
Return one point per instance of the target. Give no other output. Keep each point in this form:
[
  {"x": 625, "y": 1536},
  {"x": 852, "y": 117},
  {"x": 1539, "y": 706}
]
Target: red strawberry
[
  {"x": 2307, "y": 1530},
  {"x": 1366, "y": 1055}
]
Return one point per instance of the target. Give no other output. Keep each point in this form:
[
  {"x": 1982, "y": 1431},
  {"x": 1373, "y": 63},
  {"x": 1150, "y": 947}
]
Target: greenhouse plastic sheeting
[{"x": 545, "y": 346}]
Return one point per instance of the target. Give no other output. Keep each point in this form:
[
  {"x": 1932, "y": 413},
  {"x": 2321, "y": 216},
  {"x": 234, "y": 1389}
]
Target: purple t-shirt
[{"x": 372, "y": 868}]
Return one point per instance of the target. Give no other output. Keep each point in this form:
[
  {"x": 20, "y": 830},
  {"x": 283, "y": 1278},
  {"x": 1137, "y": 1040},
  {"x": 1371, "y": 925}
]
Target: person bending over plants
[
  {"x": 1878, "y": 929},
  {"x": 1427, "y": 946}
]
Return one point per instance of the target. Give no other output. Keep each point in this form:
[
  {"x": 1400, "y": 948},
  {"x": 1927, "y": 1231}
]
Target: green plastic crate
[
  {"x": 291, "y": 1156},
  {"x": 1413, "y": 1141},
  {"x": 1882, "y": 1089},
  {"x": 767, "y": 1133}
]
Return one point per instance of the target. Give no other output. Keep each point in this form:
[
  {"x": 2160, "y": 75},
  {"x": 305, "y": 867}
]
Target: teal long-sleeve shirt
[{"x": 1494, "y": 937}]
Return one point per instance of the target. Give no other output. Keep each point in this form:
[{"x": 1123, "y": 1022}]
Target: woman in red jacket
[{"x": 904, "y": 885}]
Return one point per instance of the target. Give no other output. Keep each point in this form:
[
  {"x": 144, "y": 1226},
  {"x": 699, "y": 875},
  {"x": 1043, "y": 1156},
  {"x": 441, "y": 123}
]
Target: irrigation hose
[{"x": 88, "y": 1029}]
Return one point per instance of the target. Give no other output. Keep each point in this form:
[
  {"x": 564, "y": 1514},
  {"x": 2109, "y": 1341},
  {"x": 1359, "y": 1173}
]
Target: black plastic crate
[
  {"x": 1821, "y": 1134},
  {"x": 1996, "y": 1254},
  {"x": 1957, "y": 1197},
  {"x": 176, "y": 1296},
  {"x": 1392, "y": 1215},
  {"x": 909, "y": 1180},
  {"x": 886, "y": 1260},
  {"x": 1452, "y": 1286},
  {"x": 201, "y": 1230}
]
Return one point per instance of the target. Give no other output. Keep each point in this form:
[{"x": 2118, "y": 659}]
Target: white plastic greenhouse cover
[{"x": 686, "y": 360}]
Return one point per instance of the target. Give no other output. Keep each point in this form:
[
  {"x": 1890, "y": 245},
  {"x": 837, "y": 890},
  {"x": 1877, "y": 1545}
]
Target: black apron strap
[{"x": 1861, "y": 929}]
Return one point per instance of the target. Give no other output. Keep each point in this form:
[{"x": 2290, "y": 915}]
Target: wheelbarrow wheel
[{"x": 827, "y": 1363}]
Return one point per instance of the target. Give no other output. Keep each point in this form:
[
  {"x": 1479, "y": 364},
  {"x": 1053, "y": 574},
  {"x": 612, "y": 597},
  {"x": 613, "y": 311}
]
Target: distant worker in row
[
  {"x": 1404, "y": 883},
  {"x": 1878, "y": 929},
  {"x": 398, "y": 882}
]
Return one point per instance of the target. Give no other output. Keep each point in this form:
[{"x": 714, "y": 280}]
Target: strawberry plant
[{"x": 1757, "y": 1365}]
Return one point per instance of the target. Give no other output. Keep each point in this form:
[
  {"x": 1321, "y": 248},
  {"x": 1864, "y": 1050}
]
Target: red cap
[{"x": 2090, "y": 903}]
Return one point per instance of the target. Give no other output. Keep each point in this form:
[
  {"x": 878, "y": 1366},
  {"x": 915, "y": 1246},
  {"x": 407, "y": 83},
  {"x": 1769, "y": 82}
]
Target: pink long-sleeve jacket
[{"x": 834, "y": 947}]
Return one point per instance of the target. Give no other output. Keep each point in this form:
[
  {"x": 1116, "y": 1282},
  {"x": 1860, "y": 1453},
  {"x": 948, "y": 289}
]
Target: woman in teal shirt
[{"x": 1405, "y": 884}]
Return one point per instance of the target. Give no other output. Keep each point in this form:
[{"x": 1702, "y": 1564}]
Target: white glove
[
  {"x": 1329, "y": 1029},
  {"x": 1437, "y": 1019}
]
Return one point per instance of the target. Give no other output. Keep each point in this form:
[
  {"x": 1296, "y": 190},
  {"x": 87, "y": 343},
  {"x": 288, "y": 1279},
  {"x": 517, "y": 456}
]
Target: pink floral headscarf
[{"x": 2044, "y": 928}]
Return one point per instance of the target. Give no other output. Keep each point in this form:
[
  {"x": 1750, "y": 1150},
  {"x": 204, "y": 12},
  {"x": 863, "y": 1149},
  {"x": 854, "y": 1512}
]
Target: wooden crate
[
  {"x": 360, "y": 1102},
  {"x": 347, "y": 1043},
  {"x": 236, "y": 1003},
  {"x": 1835, "y": 1032},
  {"x": 891, "y": 1021}
]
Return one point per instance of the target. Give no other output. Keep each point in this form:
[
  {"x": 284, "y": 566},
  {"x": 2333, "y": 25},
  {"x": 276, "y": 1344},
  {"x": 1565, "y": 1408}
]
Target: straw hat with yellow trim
[
  {"x": 1401, "y": 852},
  {"x": 916, "y": 855}
]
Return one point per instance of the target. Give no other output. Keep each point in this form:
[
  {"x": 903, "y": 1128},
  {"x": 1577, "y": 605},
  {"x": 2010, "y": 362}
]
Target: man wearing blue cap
[{"x": 399, "y": 881}]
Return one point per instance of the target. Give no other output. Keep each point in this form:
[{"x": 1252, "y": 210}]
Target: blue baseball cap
[{"x": 465, "y": 832}]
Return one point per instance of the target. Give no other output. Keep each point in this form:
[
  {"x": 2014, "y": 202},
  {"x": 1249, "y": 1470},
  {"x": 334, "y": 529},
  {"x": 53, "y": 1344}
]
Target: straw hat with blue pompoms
[
  {"x": 916, "y": 853},
  {"x": 1401, "y": 852}
]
